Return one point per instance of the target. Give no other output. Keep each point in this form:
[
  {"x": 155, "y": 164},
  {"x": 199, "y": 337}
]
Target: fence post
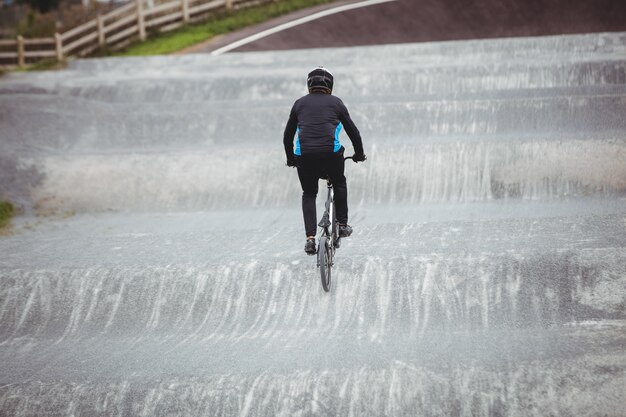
[
  {"x": 101, "y": 38},
  {"x": 140, "y": 20},
  {"x": 185, "y": 4},
  {"x": 20, "y": 51},
  {"x": 229, "y": 4},
  {"x": 59, "y": 46}
]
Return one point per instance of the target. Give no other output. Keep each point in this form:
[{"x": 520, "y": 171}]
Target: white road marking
[{"x": 296, "y": 22}]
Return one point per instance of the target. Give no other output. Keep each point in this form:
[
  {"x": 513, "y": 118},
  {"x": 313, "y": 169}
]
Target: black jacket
[{"x": 316, "y": 119}]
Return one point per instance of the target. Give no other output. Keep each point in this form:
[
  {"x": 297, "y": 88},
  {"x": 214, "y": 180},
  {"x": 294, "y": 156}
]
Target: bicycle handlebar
[{"x": 352, "y": 157}]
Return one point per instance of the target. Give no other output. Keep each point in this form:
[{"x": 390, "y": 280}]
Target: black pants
[{"x": 310, "y": 169}]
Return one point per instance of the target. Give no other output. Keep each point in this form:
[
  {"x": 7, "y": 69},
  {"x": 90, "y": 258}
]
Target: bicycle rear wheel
[{"x": 325, "y": 262}]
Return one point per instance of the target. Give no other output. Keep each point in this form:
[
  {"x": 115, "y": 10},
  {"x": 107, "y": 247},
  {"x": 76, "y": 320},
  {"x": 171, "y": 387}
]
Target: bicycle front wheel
[{"x": 325, "y": 262}]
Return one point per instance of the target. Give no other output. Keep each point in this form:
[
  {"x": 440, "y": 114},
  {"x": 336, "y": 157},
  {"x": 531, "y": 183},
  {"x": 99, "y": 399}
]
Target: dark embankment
[{"x": 441, "y": 20}]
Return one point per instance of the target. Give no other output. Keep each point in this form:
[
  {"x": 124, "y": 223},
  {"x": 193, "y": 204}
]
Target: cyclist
[{"x": 316, "y": 120}]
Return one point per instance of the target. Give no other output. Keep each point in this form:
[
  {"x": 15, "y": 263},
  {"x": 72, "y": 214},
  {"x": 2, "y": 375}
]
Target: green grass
[
  {"x": 6, "y": 212},
  {"x": 226, "y": 22},
  {"x": 43, "y": 65},
  {"x": 46, "y": 64}
]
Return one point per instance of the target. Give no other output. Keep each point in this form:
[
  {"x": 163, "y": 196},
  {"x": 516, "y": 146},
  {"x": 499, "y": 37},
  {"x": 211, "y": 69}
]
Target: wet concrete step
[{"x": 325, "y": 377}]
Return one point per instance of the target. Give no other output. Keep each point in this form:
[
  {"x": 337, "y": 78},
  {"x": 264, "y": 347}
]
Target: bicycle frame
[
  {"x": 328, "y": 224},
  {"x": 329, "y": 237}
]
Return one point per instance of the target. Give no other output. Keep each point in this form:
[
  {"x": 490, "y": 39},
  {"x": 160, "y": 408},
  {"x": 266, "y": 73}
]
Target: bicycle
[{"x": 329, "y": 236}]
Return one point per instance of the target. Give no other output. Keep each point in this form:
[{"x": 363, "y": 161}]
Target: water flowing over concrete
[{"x": 159, "y": 269}]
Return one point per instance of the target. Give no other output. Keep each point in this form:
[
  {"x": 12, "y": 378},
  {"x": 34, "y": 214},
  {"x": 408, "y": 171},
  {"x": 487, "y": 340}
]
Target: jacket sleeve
[
  {"x": 290, "y": 131},
  {"x": 351, "y": 129}
]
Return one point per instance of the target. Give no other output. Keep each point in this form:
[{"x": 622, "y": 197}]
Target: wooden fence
[{"x": 114, "y": 29}]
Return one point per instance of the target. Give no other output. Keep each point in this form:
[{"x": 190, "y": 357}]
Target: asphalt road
[{"x": 403, "y": 21}]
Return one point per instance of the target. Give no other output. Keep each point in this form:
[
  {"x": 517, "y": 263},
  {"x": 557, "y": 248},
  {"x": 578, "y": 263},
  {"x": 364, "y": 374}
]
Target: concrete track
[{"x": 159, "y": 270}]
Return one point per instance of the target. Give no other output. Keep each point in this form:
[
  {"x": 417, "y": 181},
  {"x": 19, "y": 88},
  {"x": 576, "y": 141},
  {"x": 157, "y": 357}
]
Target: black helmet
[{"x": 320, "y": 79}]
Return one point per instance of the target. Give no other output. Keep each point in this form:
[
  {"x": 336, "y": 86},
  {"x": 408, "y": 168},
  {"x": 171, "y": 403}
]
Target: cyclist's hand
[
  {"x": 359, "y": 157},
  {"x": 292, "y": 162}
]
